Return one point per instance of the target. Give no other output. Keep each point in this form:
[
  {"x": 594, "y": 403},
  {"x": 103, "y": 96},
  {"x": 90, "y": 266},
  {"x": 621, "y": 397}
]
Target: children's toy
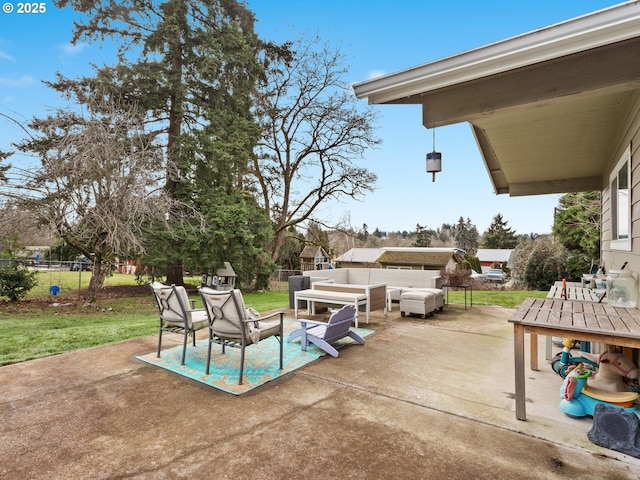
[
  {"x": 562, "y": 361},
  {"x": 613, "y": 369},
  {"x": 578, "y": 399}
]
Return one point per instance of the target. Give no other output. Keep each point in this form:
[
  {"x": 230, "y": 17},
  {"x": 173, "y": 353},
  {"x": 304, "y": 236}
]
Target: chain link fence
[{"x": 279, "y": 280}]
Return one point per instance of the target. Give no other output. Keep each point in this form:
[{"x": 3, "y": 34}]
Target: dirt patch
[
  {"x": 69, "y": 301},
  {"x": 124, "y": 291}
]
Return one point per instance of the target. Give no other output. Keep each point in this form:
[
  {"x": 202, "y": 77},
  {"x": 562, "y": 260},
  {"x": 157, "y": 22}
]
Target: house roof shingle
[{"x": 434, "y": 259}]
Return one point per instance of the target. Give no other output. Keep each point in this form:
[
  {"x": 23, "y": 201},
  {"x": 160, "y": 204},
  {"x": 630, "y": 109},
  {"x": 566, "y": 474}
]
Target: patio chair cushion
[
  {"x": 176, "y": 314},
  {"x": 232, "y": 324}
]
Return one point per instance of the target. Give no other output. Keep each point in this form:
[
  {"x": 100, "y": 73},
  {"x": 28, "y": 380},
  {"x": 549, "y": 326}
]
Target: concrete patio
[{"x": 422, "y": 399}]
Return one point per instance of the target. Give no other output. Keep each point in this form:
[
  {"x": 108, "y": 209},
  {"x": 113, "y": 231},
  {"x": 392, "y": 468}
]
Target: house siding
[{"x": 629, "y": 133}]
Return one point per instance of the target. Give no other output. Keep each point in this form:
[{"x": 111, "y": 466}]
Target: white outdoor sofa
[{"x": 396, "y": 281}]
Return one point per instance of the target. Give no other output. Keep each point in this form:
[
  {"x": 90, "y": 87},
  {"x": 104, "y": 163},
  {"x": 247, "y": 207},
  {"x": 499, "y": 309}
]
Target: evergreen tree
[
  {"x": 291, "y": 248},
  {"x": 423, "y": 237},
  {"x": 499, "y": 235},
  {"x": 466, "y": 235},
  {"x": 577, "y": 223},
  {"x": 193, "y": 68}
]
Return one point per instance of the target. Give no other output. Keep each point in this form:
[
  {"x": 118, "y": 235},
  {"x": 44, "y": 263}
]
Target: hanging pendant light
[{"x": 434, "y": 160}]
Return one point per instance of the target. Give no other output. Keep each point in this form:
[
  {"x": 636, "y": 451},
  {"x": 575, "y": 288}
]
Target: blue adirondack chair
[{"x": 324, "y": 334}]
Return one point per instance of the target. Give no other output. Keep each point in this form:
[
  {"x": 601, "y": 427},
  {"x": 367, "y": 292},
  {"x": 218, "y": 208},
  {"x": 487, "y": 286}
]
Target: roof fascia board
[
  {"x": 584, "y": 184},
  {"x": 592, "y": 30}
]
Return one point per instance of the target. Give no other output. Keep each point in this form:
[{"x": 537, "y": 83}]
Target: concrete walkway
[{"x": 422, "y": 399}]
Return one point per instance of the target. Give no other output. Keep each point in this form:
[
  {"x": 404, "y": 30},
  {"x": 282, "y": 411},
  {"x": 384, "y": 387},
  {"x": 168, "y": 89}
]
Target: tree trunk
[
  {"x": 277, "y": 242},
  {"x": 174, "y": 274},
  {"x": 99, "y": 272},
  {"x": 174, "y": 268}
]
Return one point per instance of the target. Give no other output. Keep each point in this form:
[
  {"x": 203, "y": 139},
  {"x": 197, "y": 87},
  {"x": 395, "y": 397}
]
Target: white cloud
[
  {"x": 6, "y": 56},
  {"x": 23, "y": 81},
  {"x": 375, "y": 74},
  {"x": 71, "y": 49}
]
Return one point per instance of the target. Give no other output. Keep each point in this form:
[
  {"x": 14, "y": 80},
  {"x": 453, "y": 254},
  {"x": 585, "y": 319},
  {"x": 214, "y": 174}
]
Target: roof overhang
[{"x": 545, "y": 107}]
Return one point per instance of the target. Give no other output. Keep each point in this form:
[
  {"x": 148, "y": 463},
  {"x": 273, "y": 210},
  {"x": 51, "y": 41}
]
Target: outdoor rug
[{"x": 261, "y": 361}]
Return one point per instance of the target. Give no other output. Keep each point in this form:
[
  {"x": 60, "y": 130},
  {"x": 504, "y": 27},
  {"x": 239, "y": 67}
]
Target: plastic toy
[
  {"x": 578, "y": 399},
  {"x": 562, "y": 361},
  {"x": 614, "y": 370}
]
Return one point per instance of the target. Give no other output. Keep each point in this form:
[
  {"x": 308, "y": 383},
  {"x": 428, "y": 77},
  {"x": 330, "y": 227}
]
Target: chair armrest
[
  {"x": 266, "y": 317},
  {"x": 304, "y": 321}
]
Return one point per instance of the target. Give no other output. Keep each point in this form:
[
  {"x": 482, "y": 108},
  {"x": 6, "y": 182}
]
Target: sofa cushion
[{"x": 360, "y": 276}]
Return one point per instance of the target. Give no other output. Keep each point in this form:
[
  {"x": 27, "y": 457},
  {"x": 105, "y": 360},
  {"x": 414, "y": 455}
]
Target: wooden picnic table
[
  {"x": 575, "y": 292},
  {"x": 594, "y": 322}
]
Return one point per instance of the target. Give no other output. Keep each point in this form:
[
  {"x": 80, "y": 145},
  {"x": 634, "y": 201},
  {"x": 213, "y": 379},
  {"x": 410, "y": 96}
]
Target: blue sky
[{"x": 376, "y": 37}]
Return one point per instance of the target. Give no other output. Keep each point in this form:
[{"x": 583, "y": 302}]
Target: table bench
[
  {"x": 594, "y": 322},
  {"x": 575, "y": 292},
  {"x": 312, "y": 296}
]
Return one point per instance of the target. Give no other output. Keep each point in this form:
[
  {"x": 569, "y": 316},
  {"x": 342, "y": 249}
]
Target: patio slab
[{"x": 422, "y": 399}]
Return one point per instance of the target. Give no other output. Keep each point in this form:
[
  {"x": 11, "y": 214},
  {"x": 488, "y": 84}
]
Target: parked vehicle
[
  {"x": 477, "y": 276},
  {"x": 495, "y": 275},
  {"x": 81, "y": 263}
]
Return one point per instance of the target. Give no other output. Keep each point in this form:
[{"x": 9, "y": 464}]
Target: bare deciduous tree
[
  {"x": 98, "y": 182},
  {"x": 19, "y": 227},
  {"x": 313, "y": 131}
]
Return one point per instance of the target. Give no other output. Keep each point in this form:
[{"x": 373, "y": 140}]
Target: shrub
[
  {"x": 456, "y": 278},
  {"x": 474, "y": 262},
  {"x": 537, "y": 265},
  {"x": 16, "y": 281}
]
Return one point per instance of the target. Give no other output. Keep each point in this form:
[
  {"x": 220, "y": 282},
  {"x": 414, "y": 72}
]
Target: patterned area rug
[{"x": 260, "y": 363}]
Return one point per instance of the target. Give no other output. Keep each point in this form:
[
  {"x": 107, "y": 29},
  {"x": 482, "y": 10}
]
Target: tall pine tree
[
  {"x": 499, "y": 235},
  {"x": 466, "y": 235},
  {"x": 193, "y": 68}
]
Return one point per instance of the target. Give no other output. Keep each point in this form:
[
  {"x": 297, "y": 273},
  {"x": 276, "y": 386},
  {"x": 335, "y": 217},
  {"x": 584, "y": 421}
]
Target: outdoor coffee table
[{"x": 333, "y": 298}]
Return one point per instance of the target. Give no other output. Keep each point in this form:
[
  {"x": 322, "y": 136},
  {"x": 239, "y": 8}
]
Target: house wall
[{"x": 629, "y": 132}]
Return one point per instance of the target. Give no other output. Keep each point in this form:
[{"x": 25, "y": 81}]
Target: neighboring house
[
  {"x": 360, "y": 258},
  {"x": 410, "y": 258},
  {"x": 555, "y": 110},
  {"x": 313, "y": 257},
  {"x": 490, "y": 256}
]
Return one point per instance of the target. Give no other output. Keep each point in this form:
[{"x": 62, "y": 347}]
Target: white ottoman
[
  {"x": 439, "y": 297},
  {"x": 419, "y": 302}
]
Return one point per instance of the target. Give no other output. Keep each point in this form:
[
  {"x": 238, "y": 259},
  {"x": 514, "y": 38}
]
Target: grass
[
  {"x": 35, "y": 328},
  {"x": 30, "y": 330},
  {"x": 72, "y": 283},
  {"x": 501, "y": 298}
]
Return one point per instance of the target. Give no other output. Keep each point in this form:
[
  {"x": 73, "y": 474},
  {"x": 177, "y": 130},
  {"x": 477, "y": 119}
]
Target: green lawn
[
  {"x": 502, "y": 298},
  {"x": 31, "y": 330},
  {"x": 71, "y": 283},
  {"x": 34, "y": 329}
]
